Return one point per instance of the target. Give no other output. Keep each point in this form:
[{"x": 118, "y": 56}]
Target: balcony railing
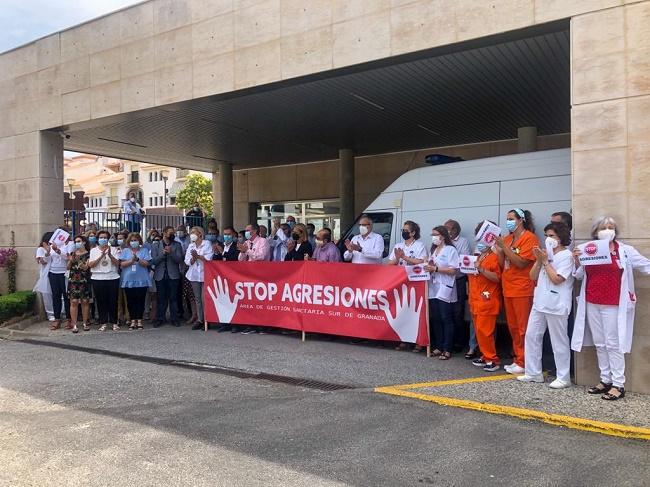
[{"x": 78, "y": 221}]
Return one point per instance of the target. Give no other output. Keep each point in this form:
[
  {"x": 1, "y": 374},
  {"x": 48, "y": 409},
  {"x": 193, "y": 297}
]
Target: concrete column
[
  {"x": 527, "y": 139},
  {"x": 225, "y": 195},
  {"x": 346, "y": 187}
]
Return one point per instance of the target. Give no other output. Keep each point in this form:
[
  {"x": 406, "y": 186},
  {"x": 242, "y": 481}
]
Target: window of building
[
  {"x": 150, "y": 176},
  {"x": 135, "y": 177}
]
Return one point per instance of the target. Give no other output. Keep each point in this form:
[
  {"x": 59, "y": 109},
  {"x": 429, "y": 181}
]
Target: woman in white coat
[{"x": 605, "y": 313}]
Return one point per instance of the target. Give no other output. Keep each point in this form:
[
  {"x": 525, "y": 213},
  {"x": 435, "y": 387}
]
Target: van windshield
[{"x": 382, "y": 224}]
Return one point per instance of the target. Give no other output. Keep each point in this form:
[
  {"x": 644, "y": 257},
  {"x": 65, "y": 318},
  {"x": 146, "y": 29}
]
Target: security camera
[{"x": 64, "y": 135}]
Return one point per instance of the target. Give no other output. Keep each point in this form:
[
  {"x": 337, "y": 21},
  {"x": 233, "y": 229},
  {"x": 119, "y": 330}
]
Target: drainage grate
[{"x": 217, "y": 369}]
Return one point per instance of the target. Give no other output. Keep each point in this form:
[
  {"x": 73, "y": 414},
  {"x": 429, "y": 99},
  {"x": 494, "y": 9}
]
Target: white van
[{"x": 473, "y": 191}]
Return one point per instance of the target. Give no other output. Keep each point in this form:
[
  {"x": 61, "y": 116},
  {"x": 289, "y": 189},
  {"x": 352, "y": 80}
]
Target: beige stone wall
[
  {"x": 610, "y": 53},
  {"x": 373, "y": 174}
]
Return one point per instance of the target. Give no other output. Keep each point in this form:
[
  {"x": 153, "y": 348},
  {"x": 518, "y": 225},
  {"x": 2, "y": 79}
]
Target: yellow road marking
[
  {"x": 611, "y": 429},
  {"x": 439, "y": 383}
]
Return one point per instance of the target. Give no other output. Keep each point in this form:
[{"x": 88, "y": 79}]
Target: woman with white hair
[{"x": 606, "y": 305}]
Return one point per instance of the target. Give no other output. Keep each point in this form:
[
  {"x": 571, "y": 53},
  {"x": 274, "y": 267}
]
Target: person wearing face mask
[
  {"x": 551, "y": 307},
  {"x": 194, "y": 217},
  {"x": 166, "y": 257},
  {"x": 133, "y": 213},
  {"x": 212, "y": 233},
  {"x": 197, "y": 253},
  {"x": 311, "y": 230},
  {"x": 91, "y": 238},
  {"x": 228, "y": 251},
  {"x": 516, "y": 257},
  {"x": 291, "y": 221},
  {"x": 182, "y": 237},
  {"x": 299, "y": 247},
  {"x": 365, "y": 248},
  {"x": 122, "y": 308},
  {"x": 79, "y": 283},
  {"x": 326, "y": 250},
  {"x": 56, "y": 275},
  {"x": 442, "y": 264},
  {"x": 606, "y": 307},
  {"x": 135, "y": 279},
  {"x": 42, "y": 286},
  {"x": 255, "y": 247},
  {"x": 410, "y": 251},
  {"x": 104, "y": 264},
  {"x": 485, "y": 304},
  {"x": 280, "y": 236}
]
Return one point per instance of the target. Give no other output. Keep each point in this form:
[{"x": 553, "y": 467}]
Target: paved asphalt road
[{"x": 69, "y": 417}]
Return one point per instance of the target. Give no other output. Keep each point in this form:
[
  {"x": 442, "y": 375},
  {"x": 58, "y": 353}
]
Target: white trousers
[
  {"x": 557, "y": 326},
  {"x": 603, "y": 324},
  {"x": 47, "y": 304}
]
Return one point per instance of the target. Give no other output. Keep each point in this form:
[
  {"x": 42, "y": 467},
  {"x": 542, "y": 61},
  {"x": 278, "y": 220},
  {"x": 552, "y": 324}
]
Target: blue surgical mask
[
  {"x": 511, "y": 225},
  {"x": 291, "y": 224},
  {"x": 120, "y": 241},
  {"x": 134, "y": 244},
  {"x": 211, "y": 237},
  {"x": 481, "y": 247},
  {"x": 103, "y": 241},
  {"x": 247, "y": 234},
  {"x": 78, "y": 245},
  {"x": 92, "y": 240},
  {"x": 227, "y": 238}
]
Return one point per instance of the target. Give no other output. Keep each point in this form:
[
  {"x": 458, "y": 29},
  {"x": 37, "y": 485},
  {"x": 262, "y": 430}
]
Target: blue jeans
[
  {"x": 441, "y": 323},
  {"x": 167, "y": 290}
]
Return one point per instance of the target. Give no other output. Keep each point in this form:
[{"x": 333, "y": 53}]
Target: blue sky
[{"x": 22, "y": 21}]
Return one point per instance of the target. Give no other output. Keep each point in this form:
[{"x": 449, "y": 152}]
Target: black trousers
[
  {"x": 57, "y": 283},
  {"x": 135, "y": 301},
  {"x": 106, "y": 299},
  {"x": 167, "y": 290},
  {"x": 461, "y": 327}
]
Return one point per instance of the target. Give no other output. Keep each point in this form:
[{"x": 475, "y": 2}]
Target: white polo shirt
[
  {"x": 416, "y": 250},
  {"x": 552, "y": 298}
]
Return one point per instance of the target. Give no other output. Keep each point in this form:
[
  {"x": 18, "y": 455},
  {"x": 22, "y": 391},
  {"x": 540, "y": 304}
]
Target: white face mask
[
  {"x": 436, "y": 239},
  {"x": 606, "y": 234},
  {"x": 363, "y": 230},
  {"x": 551, "y": 242},
  {"x": 194, "y": 237}
]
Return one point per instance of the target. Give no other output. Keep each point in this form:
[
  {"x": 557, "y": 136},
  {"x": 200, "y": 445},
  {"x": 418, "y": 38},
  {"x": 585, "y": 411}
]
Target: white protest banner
[
  {"x": 59, "y": 237},
  {"x": 417, "y": 273},
  {"x": 468, "y": 264},
  {"x": 488, "y": 233},
  {"x": 595, "y": 252}
]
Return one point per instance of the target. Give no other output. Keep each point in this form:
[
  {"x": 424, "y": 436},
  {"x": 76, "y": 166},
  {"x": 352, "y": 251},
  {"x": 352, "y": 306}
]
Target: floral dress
[{"x": 79, "y": 281}]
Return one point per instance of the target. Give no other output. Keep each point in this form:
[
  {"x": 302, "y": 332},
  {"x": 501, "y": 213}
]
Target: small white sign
[
  {"x": 595, "y": 253},
  {"x": 488, "y": 233},
  {"x": 59, "y": 237},
  {"x": 549, "y": 252},
  {"x": 468, "y": 264},
  {"x": 417, "y": 273}
]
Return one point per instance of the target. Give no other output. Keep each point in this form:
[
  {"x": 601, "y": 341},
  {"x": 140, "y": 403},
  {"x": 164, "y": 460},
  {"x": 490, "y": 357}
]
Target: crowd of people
[{"x": 120, "y": 280}]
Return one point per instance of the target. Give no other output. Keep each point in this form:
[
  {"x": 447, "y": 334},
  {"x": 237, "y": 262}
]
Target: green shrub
[{"x": 16, "y": 304}]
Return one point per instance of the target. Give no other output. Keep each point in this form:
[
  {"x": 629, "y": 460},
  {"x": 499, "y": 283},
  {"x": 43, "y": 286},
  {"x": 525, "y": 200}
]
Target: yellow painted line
[
  {"x": 611, "y": 429},
  {"x": 452, "y": 382}
]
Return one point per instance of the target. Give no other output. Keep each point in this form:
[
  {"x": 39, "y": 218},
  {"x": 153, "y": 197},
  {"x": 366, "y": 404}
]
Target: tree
[{"x": 196, "y": 188}]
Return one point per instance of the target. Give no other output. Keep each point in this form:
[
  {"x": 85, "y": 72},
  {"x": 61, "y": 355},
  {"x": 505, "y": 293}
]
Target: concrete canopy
[{"x": 470, "y": 92}]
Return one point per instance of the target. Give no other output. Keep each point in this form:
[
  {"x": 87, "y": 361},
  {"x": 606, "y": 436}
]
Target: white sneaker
[
  {"x": 559, "y": 384},
  {"x": 531, "y": 378},
  {"x": 514, "y": 369}
]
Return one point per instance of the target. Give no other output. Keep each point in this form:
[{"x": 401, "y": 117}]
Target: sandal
[
  {"x": 69, "y": 326},
  {"x": 86, "y": 327},
  {"x": 140, "y": 326},
  {"x": 75, "y": 329},
  {"x": 471, "y": 354},
  {"x": 600, "y": 388},
  {"x": 444, "y": 356},
  {"x": 436, "y": 353},
  {"x": 55, "y": 325},
  {"x": 116, "y": 327},
  {"x": 133, "y": 325},
  {"x": 400, "y": 347},
  {"x": 608, "y": 396},
  {"x": 102, "y": 328}
]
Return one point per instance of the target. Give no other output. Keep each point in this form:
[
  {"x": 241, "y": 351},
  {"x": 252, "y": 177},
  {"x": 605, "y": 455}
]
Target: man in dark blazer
[
  {"x": 227, "y": 252},
  {"x": 166, "y": 258}
]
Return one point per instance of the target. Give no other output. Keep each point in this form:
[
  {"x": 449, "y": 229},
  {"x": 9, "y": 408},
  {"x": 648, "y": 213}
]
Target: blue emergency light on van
[{"x": 437, "y": 159}]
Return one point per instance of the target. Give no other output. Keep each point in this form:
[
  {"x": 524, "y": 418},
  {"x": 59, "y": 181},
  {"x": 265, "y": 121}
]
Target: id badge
[{"x": 134, "y": 268}]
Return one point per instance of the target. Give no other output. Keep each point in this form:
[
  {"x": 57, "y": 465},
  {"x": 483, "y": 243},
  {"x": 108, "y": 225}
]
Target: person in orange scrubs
[
  {"x": 515, "y": 252},
  {"x": 485, "y": 304}
]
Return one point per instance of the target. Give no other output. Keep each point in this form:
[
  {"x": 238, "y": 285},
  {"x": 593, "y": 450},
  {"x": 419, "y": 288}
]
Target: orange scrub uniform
[
  {"x": 485, "y": 305},
  {"x": 518, "y": 290}
]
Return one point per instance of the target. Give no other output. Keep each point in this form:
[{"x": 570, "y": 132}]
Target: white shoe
[
  {"x": 514, "y": 369},
  {"x": 531, "y": 378},
  {"x": 559, "y": 384}
]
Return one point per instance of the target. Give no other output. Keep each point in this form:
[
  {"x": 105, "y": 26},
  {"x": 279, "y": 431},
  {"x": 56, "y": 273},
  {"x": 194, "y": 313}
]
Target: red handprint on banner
[
  {"x": 406, "y": 314},
  {"x": 225, "y": 306}
]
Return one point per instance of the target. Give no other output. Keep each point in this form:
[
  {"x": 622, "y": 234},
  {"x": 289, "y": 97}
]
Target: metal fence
[{"x": 78, "y": 221}]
